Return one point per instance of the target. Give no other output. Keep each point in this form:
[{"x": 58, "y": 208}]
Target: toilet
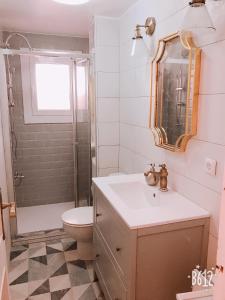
[{"x": 78, "y": 224}]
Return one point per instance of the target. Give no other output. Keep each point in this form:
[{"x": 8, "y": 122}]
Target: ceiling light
[{"x": 72, "y": 2}]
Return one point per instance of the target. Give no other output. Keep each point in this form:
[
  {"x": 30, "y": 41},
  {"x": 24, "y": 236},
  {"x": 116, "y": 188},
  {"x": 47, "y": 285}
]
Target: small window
[
  {"x": 48, "y": 91},
  {"x": 52, "y": 86}
]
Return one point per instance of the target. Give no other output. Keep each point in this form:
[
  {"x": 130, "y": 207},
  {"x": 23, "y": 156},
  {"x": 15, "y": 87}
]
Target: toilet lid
[{"x": 79, "y": 216}]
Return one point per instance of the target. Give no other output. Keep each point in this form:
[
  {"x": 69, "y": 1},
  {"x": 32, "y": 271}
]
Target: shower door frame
[
  {"x": 75, "y": 121},
  {"x": 4, "y": 105}
]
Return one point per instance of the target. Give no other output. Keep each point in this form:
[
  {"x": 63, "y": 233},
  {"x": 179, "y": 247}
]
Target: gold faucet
[
  {"x": 153, "y": 177},
  {"x": 163, "y": 174}
]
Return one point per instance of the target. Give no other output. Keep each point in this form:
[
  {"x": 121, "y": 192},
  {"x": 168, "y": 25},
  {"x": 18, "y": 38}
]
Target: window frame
[{"x": 30, "y": 106}]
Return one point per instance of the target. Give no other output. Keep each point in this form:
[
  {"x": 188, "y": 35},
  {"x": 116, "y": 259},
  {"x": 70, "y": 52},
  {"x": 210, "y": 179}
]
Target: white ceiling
[{"x": 47, "y": 16}]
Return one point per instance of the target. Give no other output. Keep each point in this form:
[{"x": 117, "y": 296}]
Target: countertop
[{"x": 172, "y": 206}]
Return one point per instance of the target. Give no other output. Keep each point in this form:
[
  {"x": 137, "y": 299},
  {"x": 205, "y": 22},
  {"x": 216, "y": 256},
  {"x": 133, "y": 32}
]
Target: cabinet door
[
  {"x": 109, "y": 279},
  {"x": 164, "y": 261},
  {"x": 119, "y": 238}
]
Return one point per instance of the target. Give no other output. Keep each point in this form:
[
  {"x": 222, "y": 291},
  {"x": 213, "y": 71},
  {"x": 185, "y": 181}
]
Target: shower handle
[{"x": 19, "y": 176}]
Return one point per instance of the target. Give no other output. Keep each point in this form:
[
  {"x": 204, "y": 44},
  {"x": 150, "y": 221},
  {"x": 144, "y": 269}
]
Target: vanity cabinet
[{"x": 150, "y": 263}]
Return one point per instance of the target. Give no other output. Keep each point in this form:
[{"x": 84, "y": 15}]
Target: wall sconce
[
  {"x": 139, "y": 47},
  {"x": 197, "y": 17}
]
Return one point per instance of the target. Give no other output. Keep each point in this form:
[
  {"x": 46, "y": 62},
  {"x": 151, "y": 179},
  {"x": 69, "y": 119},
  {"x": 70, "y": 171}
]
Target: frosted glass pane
[
  {"x": 81, "y": 88},
  {"x": 52, "y": 86}
]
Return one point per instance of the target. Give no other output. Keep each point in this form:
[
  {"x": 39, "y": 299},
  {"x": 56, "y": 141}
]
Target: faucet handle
[
  {"x": 152, "y": 165},
  {"x": 163, "y": 166}
]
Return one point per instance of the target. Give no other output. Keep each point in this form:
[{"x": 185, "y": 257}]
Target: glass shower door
[
  {"x": 82, "y": 128},
  {"x": 51, "y": 155}
]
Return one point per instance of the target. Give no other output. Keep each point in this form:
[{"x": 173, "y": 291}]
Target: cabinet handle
[
  {"x": 97, "y": 255},
  {"x": 98, "y": 215},
  {"x": 118, "y": 249}
]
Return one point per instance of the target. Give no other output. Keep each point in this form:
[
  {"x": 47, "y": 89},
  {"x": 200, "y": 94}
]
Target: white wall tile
[
  {"x": 142, "y": 78},
  {"x": 135, "y": 82},
  {"x": 126, "y": 138},
  {"x": 140, "y": 164},
  {"x": 107, "y": 31},
  {"x": 135, "y": 111},
  {"x": 199, "y": 194},
  {"x": 127, "y": 84},
  {"x": 107, "y": 172},
  {"x": 107, "y": 85},
  {"x": 191, "y": 163},
  {"x": 108, "y": 157},
  {"x": 107, "y": 93},
  {"x": 107, "y": 59},
  {"x": 126, "y": 160},
  {"x": 211, "y": 118},
  {"x": 107, "y": 110},
  {"x": 108, "y": 134},
  {"x": 212, "y": 70},
  {"x": 141, "y": 142}
]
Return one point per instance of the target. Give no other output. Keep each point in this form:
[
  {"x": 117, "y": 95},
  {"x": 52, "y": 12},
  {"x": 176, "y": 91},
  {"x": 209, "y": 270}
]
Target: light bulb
[
  {"x": 139, "y": 48},
  {"x": 197, "y": 19}
]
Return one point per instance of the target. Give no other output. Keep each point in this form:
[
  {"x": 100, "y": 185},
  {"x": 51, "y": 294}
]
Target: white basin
[
  {"x": 141, "y": 205},
  {"x": 137, "y": 195}
]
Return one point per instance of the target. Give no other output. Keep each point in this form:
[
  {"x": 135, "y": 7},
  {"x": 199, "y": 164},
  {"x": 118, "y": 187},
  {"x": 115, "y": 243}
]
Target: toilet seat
[{"x": 79, "y": 217}]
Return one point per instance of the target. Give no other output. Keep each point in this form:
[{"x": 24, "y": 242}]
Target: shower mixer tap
[{"x": 19, "y": 175}]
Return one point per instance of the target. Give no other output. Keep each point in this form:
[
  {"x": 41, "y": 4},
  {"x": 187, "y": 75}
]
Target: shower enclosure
[{"x": 50, "y": 132}]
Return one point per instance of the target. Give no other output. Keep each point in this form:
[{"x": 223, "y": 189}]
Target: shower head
[{"x": 6, "y": 44}]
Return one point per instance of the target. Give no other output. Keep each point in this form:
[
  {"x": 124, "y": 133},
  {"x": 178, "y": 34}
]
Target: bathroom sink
[
  {"x": 140, "y": 205},
  {"x": 136, "y": 195}
]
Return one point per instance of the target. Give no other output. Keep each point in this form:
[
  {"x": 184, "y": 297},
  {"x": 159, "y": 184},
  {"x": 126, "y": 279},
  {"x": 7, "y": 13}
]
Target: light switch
[{"x": 210, "y": 166}]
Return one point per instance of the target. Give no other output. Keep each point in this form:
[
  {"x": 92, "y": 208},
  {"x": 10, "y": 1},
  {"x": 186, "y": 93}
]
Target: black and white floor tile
[{"x": 51, "y": 271}]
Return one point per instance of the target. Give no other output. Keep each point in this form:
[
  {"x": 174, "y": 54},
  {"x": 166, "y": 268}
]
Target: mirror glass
[
  {"x": 176, "y": 81},
  {"x": 172, "y": 90}
]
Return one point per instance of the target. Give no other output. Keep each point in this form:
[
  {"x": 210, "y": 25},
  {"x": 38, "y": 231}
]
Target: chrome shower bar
[{"x": 66, "y": 54}]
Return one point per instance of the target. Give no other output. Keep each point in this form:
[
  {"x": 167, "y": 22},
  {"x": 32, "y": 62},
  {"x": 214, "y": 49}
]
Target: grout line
[
  {"x": 212, "y": 43},
  {"x": 191, "y": 179},
  {"x": 136, "y": 153},
  {"x": 194, "y": 138},
  {"x": 211, "y": 94},
  {"x": 172, "y": 14},
  {"x": 107, "y": 72},
  {"x": 134, "y": 125},
  {"x": 208, "y": 142}
]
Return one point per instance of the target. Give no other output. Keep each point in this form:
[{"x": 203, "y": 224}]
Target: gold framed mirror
[{"x": 175, "y": 75}]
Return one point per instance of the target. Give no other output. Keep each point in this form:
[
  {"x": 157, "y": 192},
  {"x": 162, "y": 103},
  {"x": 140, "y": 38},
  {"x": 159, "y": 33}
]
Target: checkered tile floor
[{"x": 51, "y": 271}]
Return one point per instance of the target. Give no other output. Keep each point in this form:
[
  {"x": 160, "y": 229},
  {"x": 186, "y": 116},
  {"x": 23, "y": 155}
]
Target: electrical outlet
[{"x": 210, "y": 166}]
